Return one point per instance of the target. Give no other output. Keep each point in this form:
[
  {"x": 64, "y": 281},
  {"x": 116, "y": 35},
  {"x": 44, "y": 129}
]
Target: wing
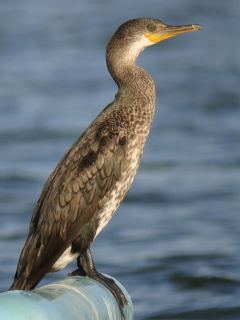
[{"x": 73, "y": 193}]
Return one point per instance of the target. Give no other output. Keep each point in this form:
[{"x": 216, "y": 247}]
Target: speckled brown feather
[{"x": 87, "y": 186}]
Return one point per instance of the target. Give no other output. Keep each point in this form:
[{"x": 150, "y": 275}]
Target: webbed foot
[{"x": 86, "y": 267}]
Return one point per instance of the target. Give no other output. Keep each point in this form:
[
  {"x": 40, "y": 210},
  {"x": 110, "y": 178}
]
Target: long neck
[{"x": 121, "y": 63}]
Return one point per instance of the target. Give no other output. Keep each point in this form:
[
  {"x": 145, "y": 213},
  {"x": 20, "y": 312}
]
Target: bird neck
[{"x": 121, "y": 62}]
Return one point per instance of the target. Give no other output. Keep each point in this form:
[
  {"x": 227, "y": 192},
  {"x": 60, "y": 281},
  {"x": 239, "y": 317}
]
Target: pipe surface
[{"x": 74, "y": 298}]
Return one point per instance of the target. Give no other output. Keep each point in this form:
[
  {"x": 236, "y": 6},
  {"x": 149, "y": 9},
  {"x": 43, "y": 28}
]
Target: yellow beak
[{"x": 171, "y": 31}]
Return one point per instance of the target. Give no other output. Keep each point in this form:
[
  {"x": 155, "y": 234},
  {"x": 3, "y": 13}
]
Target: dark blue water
[{"x": 174, "y": 242}]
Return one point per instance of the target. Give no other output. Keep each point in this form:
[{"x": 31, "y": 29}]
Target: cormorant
[{"x": 87, "y": 186}]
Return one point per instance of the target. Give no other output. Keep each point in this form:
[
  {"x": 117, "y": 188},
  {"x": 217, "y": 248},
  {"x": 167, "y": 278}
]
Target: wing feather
[{"x": 71, "y": 196}]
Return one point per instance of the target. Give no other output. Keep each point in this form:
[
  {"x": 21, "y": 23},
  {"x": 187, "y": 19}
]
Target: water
[{"x": 174, "y": 242}]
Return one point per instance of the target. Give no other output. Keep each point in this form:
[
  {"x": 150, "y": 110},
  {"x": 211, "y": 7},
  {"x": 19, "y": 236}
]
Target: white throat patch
[{"x": 138, "y": 46}]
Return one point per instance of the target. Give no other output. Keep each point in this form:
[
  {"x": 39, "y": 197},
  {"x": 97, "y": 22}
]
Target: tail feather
[
  {"x": 19, "y": 284},
  {"x": 22, "y": 282},
  {"x": 36, "y": 260}
]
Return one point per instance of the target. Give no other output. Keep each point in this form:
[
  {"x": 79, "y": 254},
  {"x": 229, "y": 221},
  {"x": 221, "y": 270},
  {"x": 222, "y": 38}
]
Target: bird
[{"x": 89, "y": 183}]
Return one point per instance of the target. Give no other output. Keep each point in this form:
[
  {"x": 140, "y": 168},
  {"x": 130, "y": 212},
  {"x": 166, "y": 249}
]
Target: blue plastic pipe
[{"x": 74, "y": 298}]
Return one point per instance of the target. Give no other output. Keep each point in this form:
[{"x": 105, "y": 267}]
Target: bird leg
[
  {"x": 86, "y": 267},
  {"x": 78, "y": 272}
]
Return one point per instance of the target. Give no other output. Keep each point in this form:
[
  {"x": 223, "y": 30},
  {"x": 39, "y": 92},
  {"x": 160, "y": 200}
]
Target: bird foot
[
  {"x": 77, "y": 272},
  {"x": 111, "y": 285}
]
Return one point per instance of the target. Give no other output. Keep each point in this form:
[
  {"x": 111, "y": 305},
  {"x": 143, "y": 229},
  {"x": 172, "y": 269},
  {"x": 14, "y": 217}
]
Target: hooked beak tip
[{"x": 197, "y": 27}]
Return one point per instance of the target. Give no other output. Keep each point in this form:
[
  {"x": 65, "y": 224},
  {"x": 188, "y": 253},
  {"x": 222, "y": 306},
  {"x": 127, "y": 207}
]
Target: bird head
[
  {"x": 134, "y": 36},
  {"x": 143, "y": 32}
]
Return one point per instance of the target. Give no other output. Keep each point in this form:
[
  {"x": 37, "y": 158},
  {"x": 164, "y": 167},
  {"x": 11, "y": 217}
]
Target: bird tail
[
  {"x": 21, "y": 283},
  {"x": 24, "y": 281},
  {"x": 18, "y": 284}
]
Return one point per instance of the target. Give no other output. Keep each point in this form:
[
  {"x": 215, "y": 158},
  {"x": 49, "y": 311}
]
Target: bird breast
[{"x": 115, "y": 196}]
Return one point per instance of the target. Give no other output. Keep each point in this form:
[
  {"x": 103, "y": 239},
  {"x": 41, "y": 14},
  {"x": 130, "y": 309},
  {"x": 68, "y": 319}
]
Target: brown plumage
[{"x": 87, "y": 186}]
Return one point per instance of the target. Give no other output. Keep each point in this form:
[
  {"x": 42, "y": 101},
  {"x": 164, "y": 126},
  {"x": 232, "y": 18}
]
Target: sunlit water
[{"x": 174, "y": 243}]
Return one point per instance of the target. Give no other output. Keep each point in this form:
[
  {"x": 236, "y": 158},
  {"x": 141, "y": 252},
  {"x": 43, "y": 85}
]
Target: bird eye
[{"x": 151, "y": 27}]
